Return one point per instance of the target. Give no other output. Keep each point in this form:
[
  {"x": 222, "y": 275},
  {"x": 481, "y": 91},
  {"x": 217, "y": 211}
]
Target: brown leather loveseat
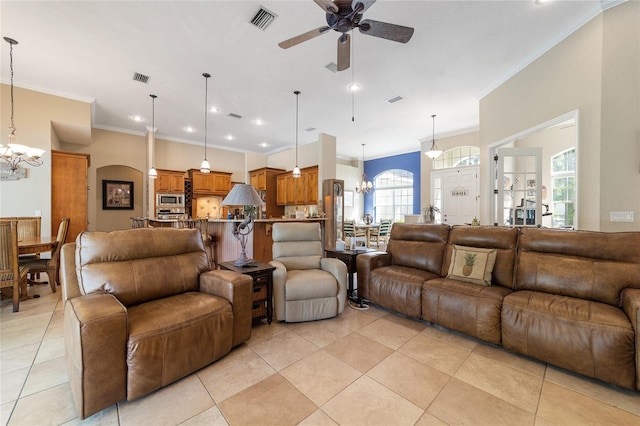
[
  {"x": 569, "y": 298},
  {"x": 142, "y": 310}
]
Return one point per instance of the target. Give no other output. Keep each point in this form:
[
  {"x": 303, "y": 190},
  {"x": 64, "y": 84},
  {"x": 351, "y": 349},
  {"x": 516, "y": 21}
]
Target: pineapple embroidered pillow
[{"x": 471, "y": 264}]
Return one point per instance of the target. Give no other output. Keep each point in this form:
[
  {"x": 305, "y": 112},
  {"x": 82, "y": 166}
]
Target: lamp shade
[{"x": 243, "y": 195}]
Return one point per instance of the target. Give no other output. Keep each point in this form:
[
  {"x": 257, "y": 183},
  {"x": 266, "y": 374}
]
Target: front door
[{"x": 458, "y": 195}]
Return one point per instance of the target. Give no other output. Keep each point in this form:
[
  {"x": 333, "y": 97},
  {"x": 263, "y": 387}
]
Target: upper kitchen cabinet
[
  {"x": 214, "y": 183},
  {"x": 298, "y": 191},
  {"x": 169, "y": 181},
  {"x": 264, "y": 181}
]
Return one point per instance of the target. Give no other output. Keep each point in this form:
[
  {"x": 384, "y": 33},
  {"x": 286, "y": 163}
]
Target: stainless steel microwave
[{"x": 170, "y": 200}]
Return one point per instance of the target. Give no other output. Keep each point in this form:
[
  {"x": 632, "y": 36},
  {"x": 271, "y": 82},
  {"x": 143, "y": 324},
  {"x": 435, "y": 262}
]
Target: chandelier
[
  {"x": 434, "y": 152},
  {"x": 13, "y": 154},
  {"x": 366, "y": 185}
]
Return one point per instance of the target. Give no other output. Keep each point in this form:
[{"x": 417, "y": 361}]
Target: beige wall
[
  {"x": 595, "y": 70},
  {"x": 33, "y": 114}
]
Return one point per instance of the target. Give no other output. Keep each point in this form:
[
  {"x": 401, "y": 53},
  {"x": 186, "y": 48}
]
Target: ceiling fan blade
[
  {"x": 391, "y": 32},
  {"x": 344, "y": 52},
  {"x": 361, "y": 5},
  {"x": 303, "y": 37},
  {"x": 327, "y": 5}
]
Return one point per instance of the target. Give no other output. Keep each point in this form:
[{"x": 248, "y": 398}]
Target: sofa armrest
[
  {"x": 68, "y": 277},
  {"x": 279, "y": 279},
  {"x": 338, "y": 269},
  {"x": 237, "y": 289},
  {"x": 95, "y": 337},
  {"x": 365, "y": 263},
  {"x": 631, "y": 307}
]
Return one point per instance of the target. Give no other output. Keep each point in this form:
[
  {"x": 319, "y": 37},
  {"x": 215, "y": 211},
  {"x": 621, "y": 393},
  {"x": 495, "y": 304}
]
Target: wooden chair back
[{"x": 11, "y": 274}]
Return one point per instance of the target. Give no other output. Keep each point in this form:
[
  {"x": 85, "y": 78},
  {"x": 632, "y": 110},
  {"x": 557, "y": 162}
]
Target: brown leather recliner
[{"x": 142, "y": 310}]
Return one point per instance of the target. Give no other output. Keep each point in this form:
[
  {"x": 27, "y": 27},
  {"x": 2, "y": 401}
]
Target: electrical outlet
[{"x": 38, "y": 213}]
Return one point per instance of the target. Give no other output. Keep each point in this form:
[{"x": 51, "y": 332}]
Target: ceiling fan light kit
[{"x": 344, "y": 16}]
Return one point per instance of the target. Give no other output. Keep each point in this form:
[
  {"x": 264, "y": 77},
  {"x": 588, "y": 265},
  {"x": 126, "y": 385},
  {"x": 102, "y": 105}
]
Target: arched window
[
  {"x": 458, "y": 157},
  {"x": 393, "y": 197},
  {"x": 563, "y": 188}
]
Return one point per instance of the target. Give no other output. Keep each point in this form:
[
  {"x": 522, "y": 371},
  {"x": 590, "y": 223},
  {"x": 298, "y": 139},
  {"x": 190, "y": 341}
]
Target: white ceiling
[{"x": 459, "y": 52}]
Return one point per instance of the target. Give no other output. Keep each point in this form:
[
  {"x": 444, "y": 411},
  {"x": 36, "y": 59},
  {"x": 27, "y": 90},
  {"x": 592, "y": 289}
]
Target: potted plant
[{"x": 429, "y": 213}]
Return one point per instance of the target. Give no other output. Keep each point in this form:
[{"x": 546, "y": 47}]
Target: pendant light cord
[
  {"x": 297, "y": 93},
  {"x": 206, "y": 104},
  {"x": 353, "y": 78},
  {"x": 13, "y": 127},
  {"x": 153, "y": 130}
]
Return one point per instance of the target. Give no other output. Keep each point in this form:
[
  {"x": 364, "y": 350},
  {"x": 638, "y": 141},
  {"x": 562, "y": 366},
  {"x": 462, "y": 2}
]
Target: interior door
[
  {"x": 69, "y": 197},
  {"x": 518, "y": 173},
  {"x": 459, "y": 196}
]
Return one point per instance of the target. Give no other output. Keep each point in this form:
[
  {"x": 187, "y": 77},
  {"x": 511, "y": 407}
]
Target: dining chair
[
  {"x": 139, "y": 222},
  {"x": 349, "y": 230},
  {"x": 12, "y": 275},
  {"x": 381, "y": 233},
  {"x": 50, "y": 266},
  {"x": 28, "y": 226}
]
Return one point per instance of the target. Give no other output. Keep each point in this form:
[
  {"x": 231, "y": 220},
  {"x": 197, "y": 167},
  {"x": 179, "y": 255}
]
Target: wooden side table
[
  {"x": 349, "y": 258},
  {"x": 262, "y": 275}
]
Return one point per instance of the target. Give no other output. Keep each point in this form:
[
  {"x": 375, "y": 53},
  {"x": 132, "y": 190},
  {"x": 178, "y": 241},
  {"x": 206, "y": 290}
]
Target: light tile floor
[{"x": 362, "y": 368}]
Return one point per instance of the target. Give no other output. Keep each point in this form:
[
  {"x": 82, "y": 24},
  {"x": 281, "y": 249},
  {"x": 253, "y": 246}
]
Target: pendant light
[
  {"x": 365, "y": 186},
  {"x": 14, "y": 153},
  {"x": 153, "y": 173},
  {"x": 296, "y": 169},
  {"x": 434, "y": 152},
  {"x": 204, "y": 166}
]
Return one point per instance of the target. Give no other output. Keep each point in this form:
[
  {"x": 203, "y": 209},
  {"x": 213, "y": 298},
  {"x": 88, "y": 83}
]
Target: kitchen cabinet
[
  {"x": 264, "y": 180},
  {"x": 169, "y": 182},
  {"x": 214, "y": 183},
  {"x": 300, "y": 191}
]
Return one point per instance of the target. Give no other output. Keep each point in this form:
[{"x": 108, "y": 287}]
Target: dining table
[
  {"x": 367, "y": 228},
  {"x": 34, "y": 245}
]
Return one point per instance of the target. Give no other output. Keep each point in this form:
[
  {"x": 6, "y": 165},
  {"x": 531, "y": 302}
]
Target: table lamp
[{"x": 243, "y": 195}]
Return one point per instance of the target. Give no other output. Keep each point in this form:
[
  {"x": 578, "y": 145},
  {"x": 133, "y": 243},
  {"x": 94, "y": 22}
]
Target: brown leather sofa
[
  {"x": 142, "y": 310},
  {"x": 569, "y": 298}
]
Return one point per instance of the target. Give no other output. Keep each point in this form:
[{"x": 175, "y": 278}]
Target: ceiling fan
[{"x": 345, "y": 15}]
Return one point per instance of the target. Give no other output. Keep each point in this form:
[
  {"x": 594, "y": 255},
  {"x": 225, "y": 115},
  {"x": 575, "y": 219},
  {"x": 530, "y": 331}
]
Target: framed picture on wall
[
  {"x": 348, "y": 198},
  {"x": 117, "y": 195}
]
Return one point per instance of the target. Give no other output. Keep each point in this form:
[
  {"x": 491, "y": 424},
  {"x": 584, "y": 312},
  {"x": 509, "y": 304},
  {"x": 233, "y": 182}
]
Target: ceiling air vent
[
  {"x": 232, "y": 115},
  {"x": 140, "y": 77},
  {"x": 309, "y": 129},
  {"x": 332, "y": 66},
  {"x": 394, "y": 99},
  {"x": 262, "y": 18}
]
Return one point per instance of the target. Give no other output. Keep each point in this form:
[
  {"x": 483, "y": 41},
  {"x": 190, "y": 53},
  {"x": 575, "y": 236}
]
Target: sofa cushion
[
  {"x": 471, "y": 264},
  {"x": 591, "y": 338},
  {"x": 310, "y": 284},
  {"x": 588, "y": 265},
  {"x": 172, "y": 337},
  {"x": 418, "y": 246},
  {"x": 504, "y": 240},
  {"x": 465, "y": 307},
  {"x": 398, "y": 288},
  {"x": 140, "y": 265}
]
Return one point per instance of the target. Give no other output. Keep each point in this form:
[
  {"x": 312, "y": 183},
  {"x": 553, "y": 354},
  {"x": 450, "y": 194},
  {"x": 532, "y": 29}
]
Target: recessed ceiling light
[
  {"x": 354, "y": 86},
  {"x": 258, "y": 122},
  {"x": 264, "y": 145},
  {"x": 229, "y": 137},
  {"x": 136, "y": 118},
  {"x": 189, "y": 129},
  {"x": 542, "y": 1},
  {"x": 213, "y": 109}
]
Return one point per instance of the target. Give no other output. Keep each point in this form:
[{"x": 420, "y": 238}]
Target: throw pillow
[{"x": 471, "y": 264}]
